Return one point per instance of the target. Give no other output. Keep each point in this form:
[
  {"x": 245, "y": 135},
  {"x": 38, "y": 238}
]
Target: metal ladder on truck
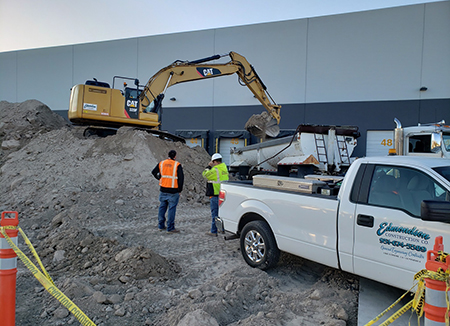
[
  {"x": 343, "y": 149},
  {"x": 321, "y": 149}
]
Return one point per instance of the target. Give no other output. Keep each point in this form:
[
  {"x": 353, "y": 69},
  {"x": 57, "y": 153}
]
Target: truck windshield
[
  {"x": 446, "y": 140},
  {"x": 444, "y": 171}
]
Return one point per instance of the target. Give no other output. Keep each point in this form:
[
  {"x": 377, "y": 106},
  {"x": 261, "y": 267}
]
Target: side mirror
[
  {"x": 435, "y": 210},
  {"x": 436, "y": 142}
]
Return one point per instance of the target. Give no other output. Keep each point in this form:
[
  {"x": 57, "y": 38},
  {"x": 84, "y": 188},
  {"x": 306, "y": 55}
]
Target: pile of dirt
[
  {"x": 92, "y": 255},
  {"x": 19, "y": 122},
  {"x": 90, "y": 206}
]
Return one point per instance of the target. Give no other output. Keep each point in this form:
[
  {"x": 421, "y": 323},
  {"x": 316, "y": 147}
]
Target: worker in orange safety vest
[{"x": 171, "y": 178}]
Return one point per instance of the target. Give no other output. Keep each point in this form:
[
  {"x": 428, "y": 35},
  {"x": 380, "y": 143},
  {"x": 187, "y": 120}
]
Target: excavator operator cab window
[{"x": 131, "y": 93}]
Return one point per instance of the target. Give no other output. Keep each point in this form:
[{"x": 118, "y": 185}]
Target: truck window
[
  {"x": 403, "y": 188},
  {"x": 420, "y": 144},
  {"x": 444, "y": 171},
  {"x": 446, "y": 140}
]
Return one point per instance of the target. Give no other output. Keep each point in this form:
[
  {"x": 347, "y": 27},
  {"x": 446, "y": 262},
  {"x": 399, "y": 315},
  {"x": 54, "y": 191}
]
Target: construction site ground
[
  {"x": 375, "y": 298},
  {"x": 90, "y": 206}
]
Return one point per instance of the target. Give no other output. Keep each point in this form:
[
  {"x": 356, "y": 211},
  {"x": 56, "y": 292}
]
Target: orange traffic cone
[
  {"x": 435, "y": 307},
  {"x": 8, "y": 270}
]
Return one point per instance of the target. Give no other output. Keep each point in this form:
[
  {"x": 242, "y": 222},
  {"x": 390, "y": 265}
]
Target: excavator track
[
  {"x": 101, "y": 131},
  {"x": 164, "y": 135}
]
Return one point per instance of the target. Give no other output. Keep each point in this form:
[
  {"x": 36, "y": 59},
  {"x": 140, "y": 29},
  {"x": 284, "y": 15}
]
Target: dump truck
[
  {"x": 313, "y": 148},
  {"x": 431, "y": 139}
]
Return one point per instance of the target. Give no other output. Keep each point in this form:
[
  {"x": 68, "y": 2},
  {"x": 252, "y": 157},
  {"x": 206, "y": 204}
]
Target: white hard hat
[{"x": 216, "y": 156}]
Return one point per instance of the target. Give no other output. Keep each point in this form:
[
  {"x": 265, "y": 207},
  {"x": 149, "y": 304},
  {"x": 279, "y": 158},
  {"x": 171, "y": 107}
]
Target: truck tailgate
[{"x": 304, "y": 225}]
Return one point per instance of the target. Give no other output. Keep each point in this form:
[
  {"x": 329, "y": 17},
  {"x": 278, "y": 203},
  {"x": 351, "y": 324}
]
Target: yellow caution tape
[
  {"x": 442, "y": 256},
  {"x": 45, "y": 280},
  {"x": 397, "y": 314}
]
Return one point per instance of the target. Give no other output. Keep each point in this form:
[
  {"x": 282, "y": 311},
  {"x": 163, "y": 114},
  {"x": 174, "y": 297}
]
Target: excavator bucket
[{"x": 262, "y": 125}]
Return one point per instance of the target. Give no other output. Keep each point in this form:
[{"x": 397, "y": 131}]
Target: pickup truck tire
[{"x": 258, "y": 245}]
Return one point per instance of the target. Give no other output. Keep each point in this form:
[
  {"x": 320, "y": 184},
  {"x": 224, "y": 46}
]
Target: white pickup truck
[{"x": 377, "y": 222}]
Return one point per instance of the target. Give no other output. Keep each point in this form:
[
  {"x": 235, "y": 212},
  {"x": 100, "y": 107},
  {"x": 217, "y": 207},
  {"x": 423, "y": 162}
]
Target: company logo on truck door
[
  {"x": 205, "y": 71},
  {"x": 384, "y": 227},
  {"x": 404, "y": 243}
]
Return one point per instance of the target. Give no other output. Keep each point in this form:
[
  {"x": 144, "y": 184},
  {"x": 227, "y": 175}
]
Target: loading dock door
[
  {"x": 379, "y": 142},
  {"x": 194, "y": 137},
  {"x": 225, "y": 144},
  {"x": 224, "y": 140}
]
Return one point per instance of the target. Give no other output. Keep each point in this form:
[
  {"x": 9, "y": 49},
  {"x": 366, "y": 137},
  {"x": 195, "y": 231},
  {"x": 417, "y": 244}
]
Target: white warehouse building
[{"x": 363, "y": 69}]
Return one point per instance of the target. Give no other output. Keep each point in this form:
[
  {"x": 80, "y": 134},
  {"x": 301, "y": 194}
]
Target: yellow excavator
[{"x": 101, "y": 107}]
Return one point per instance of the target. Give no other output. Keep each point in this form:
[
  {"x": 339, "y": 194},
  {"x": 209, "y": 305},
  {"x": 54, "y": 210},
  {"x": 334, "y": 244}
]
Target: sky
[{"x": 28, "y": 24}]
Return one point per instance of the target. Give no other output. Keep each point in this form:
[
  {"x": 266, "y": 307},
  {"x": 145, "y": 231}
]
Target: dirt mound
[
  {"x": 29, "y": 117},
  {"x": 57, "y": 170},
  {"x": 20, "y": 122},
  {"x": 91, "y": 255}
]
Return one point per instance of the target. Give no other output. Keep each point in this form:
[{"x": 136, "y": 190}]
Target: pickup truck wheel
[{"x": 258, "y": 245}]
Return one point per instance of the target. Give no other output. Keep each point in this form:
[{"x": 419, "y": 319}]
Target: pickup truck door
[{"x": 391, "y": 240}]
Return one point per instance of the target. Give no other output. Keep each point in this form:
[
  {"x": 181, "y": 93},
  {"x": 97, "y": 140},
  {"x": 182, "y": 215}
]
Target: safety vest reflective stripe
[
  {"x": 168, "y": 170},
  {"x": 218, "y": 178}
]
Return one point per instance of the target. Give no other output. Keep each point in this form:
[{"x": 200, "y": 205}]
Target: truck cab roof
[{"x": 426, "y": 162}]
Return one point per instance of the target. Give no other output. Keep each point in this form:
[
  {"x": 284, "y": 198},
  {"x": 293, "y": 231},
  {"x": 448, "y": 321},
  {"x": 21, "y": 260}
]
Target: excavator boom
[{"x": 185, "y": 71}]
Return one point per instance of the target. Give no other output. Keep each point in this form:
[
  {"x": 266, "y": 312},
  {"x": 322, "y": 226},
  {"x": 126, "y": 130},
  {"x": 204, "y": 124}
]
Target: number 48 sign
[{"x": 379, "y": 142}]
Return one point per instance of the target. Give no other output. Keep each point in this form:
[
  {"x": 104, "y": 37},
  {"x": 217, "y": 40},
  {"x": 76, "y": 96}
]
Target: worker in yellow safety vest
[
  {"x": 215, "y": 174},
  {"x": 171, "y": 179}
]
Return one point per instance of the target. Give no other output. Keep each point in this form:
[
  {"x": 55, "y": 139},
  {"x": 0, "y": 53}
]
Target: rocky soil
[{"x": 89, "y": 206}]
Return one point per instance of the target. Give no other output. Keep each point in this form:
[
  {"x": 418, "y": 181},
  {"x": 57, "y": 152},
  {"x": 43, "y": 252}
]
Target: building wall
[{"x": 360, "y": 68}]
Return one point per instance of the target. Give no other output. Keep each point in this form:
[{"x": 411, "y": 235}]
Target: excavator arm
[{"x": 185, "y": 71}]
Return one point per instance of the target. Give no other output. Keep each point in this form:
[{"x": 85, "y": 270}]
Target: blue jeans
[
  {"x": 214, "y": 203},
  {"x": 167, "y": 201}
]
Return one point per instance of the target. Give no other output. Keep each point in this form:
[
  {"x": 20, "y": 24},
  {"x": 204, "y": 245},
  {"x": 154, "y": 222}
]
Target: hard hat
[{"x": 216, "y": 156}]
